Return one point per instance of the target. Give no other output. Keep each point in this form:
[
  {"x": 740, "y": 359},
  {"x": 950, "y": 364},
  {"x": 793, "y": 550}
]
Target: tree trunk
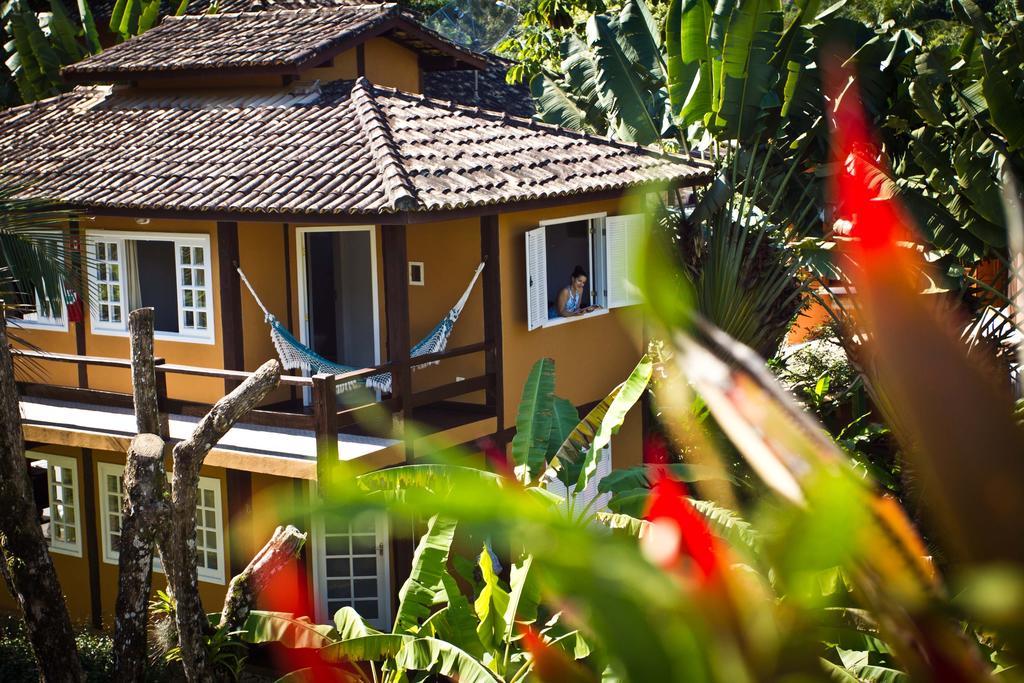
[
  {"x": 178, "y": 550},
  {"x": 143, "y": 507},
  {"x": 282, "y": 547},
  {"x": 143, "y": 514},
  {"x": 25, "y": 555}
]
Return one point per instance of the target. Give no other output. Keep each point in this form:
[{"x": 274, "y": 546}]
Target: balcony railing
[{"x": 325, "y": 417}]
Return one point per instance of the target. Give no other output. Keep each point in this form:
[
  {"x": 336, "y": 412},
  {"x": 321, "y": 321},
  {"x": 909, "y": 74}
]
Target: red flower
[
  {"x": 678, "y": 534},
  {"x": 550, "y": 664}
]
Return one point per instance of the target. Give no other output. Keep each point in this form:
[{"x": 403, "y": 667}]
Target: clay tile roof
[
  {"x": 347, "y": 148},
  {"x": 279, "y": 36}
]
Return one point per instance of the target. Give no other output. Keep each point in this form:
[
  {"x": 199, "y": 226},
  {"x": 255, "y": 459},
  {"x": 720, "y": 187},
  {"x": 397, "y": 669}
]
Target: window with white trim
[
  {"x": 45, "y": 314},
  {"x": 606, "y": 248},
  {"x": 209, "y": 527},
  {"x": 169, "y": 272},
  {"x": 352, "y": 568},
  {"x": 60, "y": 515}
]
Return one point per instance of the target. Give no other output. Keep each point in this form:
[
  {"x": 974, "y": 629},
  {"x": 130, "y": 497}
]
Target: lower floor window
[
  {"x": 55, "y": 488},
  {"x": 209, "y": 530},
  {"x": 352, "y": 556}
]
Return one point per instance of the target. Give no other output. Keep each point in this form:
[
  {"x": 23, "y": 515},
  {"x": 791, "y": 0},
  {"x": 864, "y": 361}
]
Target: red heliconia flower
[
  {"x": 878, "y": 221},
  {"x": 678, "y": 536}
]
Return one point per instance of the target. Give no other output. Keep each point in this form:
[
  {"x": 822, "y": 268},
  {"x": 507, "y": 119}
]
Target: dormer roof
[
  {"x": 271, "y": 41},
  {"x": 344, "y": 149}
]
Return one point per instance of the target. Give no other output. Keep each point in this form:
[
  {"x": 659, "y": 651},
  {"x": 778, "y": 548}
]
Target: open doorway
[{"x": 338, "y": 294}]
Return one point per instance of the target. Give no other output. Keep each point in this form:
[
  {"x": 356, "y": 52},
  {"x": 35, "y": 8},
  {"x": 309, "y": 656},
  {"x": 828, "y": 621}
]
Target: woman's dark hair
[{"x": 578, "y": 272}]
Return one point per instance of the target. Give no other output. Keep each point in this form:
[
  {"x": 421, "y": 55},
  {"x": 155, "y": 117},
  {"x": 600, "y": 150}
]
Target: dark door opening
[{"x": 339, "y": 283}]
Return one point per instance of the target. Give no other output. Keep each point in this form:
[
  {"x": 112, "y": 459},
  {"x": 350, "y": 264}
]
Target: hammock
[{"x": 295, "y": 355}]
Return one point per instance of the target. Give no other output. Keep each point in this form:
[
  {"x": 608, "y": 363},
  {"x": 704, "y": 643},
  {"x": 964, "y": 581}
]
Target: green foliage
[
  {"x": 95, "y": 650},
  {"x": 420, "y": 591},
  {"x": 533, "y": 420}
]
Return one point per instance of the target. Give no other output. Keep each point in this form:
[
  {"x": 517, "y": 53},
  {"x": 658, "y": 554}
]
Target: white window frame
[
  {"x": 71, "y": 465},
  {"x": 600, "y": 269},
  {"x": 319, "y": 543},
  {"x": 47, "y": 322},
  {"x": 179, "y": 240},
  {"x": 625, "y": 232},
  {"x": 111, "y": 556}
]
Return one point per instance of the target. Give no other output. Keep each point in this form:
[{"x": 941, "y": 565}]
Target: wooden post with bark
[
  {"x": 178, "y": 547},
  {"x": 282, "y": 548},
  {"x": 143, "y": 506},
  {"x": 24, "y": 554}
]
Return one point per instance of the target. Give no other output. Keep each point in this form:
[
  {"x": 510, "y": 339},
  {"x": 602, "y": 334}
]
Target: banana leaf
[
  {"x": 1000, "y": 90},
  {"x": 491, "y": 605},
  {"x": 627, "y": 97},
  {"x": 524, "y": 597},
  {"x": 286, "y": 630},
  {"x": 533, "y": 421},
  {"x": 581, "y": 80},
  {"x": 349, "y": 624},
  {"x": 639, "y": 38},
  {"x": 692, "y": 88},
  {"x": 419, "y": 592},
  {"x": 746, "y": 73},
  {"x": 410, "y": 653},
  {"x": 62, "y": 33},
  {"x": 625, "y": 398},
  {"x": 92, "y": 36},
  {"x": 456, "y": 623},
  {"x": 566, "y": 417},
  {"x": 554, "y": 105}
]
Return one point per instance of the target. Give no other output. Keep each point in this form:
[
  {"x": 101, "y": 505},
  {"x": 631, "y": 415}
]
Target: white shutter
[
  {"x": 622, "y": 240},
  {"x": 536, "y": 279}
]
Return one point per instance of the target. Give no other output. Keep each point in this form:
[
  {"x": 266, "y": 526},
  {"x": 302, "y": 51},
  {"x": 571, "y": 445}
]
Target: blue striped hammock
[{"x": 297, "y": 356}]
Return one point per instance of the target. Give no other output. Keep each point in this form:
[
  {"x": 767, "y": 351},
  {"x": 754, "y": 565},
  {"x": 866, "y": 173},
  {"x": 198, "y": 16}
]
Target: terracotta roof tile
[
  {"x": 286, "y": 36},
  {"x": 344, "y": 149}
]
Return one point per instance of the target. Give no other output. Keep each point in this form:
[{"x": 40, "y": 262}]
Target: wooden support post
[
  {"x": 240, "y": 519},
  {"x": 92, "y": 538},
  {"x": 230, "y": 300},
  {"x": 161, "y": 401},
  {"x": 490, "y": 252},
  {"x": 396, "y": 298},
  {"x": 325, "y": 415},
  {"x": 76, "y": 248}
]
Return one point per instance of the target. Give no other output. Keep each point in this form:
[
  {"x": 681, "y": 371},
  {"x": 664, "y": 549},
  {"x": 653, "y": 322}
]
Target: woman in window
[{"x": 570, "y": 300}]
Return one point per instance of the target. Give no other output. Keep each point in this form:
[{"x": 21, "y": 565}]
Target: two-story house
[{"x": 296, "y": 144}]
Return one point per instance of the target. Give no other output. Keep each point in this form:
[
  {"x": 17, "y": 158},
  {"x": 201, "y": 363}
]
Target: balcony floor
[{"x": 273, "y": 443}]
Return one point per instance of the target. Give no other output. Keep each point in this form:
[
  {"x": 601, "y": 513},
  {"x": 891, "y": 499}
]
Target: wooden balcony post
[
  {"x": 161, "y": 399},
  {"x": 396, "y": 303},
  {"x": 76, "y": 249},
  {"x": 490, "y": 252},
  {"x": 325, "y": 416},
  {"x": 230, "y": 300}
]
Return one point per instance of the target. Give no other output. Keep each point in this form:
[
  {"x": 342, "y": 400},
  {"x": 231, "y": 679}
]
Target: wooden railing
[{"x": 327, "y": 418}]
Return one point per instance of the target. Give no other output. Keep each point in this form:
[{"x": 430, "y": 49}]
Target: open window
[
  {"x": 168, "y": 272},
  {"x": 604, "y": 247}
]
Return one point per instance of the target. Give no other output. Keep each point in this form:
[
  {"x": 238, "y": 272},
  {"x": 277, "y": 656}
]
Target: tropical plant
[
  {"x": 34, "y": 267},
  {"x": 38, "y": 44},
  {"x": 611, "y": 79}
]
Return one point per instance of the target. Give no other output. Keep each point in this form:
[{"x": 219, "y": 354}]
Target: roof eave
[{"x": 395, "y": 217}]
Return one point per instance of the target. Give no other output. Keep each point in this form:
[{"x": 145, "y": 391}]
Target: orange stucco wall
[
  {"x": 592, "y": 355},
  {"x": 392, "y": 65},
  {"x": 387, "y": 63}
]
